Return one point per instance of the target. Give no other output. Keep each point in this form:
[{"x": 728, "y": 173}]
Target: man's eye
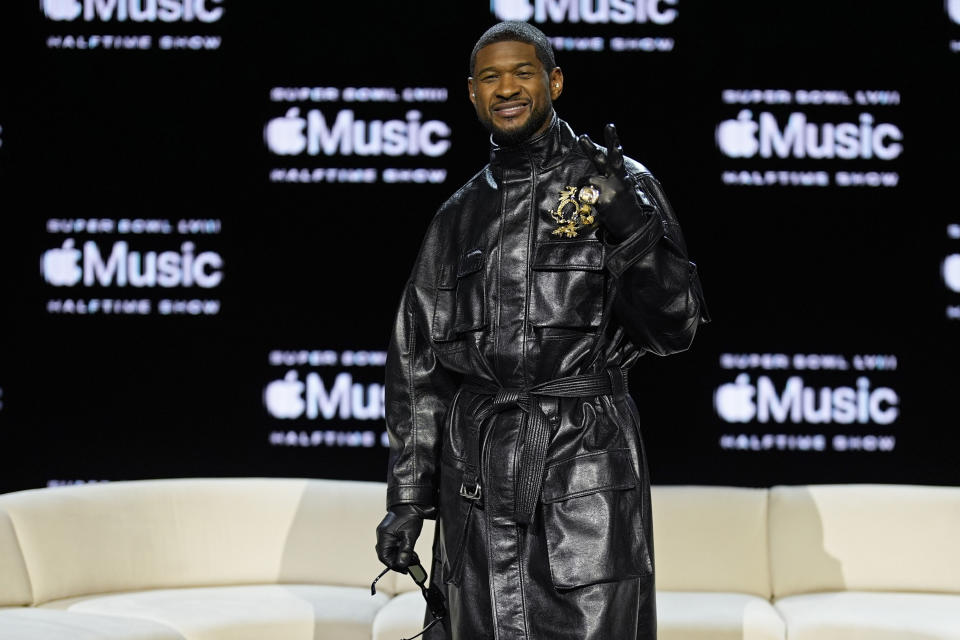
[
  {"x": 488, "y": 78},
  {"x": 525, "y": 74}
]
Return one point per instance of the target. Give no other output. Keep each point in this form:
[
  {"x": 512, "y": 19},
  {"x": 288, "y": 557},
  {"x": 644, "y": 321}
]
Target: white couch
[{"x": 258, "y": 559}]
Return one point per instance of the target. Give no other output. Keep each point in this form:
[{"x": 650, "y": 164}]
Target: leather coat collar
[{"x": 544, "y": 151}]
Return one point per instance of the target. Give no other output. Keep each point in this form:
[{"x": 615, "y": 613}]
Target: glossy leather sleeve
[
  {"x": 659, "y": 297},
  {"x": 417, "y": 392}
]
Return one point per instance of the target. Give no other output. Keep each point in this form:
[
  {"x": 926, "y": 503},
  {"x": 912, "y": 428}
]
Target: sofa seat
[
  {"x": 704, "y": 615},
  {"x": 856, "y": 615},
  {"x": 266, "y": 558},
  {"x": 240, "y": 612},
  {"x": 402, "y": 617},
  {"x": 23, "y": 623}
]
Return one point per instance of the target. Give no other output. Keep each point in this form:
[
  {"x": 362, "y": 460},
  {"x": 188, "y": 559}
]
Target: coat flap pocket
[
  {"x": 580, "y": 255},
  {"x": 470, "y": 262},
  {"x": 447, "y": 277},
  {"x": 588, "y": 474}
]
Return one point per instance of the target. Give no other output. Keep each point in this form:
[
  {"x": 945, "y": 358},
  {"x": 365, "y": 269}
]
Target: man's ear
[
  {"x": 556, "y": 83},
  {"x": 470, "y": 92}
]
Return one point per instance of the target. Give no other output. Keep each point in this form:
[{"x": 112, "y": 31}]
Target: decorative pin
[{"x": 578, "y": 205}]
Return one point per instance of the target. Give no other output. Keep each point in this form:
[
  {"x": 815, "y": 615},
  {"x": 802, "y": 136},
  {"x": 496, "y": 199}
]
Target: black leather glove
[
  {"x": 619, "y": 210},
  {"x": 398, "y": 532}
]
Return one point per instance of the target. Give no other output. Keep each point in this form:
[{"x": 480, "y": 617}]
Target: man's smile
[{"x": 510, "y": 110}]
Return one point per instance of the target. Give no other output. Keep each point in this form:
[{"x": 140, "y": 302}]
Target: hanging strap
[{"x": 535, "y": 430}]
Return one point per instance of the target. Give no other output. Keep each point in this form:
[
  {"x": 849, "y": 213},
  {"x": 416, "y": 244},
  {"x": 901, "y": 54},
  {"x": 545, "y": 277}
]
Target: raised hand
[
  {"x": 619, "y": 210},
  {"x": 612, "y": 160}
]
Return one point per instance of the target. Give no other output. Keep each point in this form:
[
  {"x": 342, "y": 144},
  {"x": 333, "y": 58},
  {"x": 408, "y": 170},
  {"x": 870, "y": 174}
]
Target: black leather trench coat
[{"x": 554, "y": 539}]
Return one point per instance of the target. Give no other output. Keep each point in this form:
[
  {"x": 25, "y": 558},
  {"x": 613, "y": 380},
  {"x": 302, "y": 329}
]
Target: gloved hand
[
  {"x": 619, "y": 210},
  {"x": 398, "y": 532}
]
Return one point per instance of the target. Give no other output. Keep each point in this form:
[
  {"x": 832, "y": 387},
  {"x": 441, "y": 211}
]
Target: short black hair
[{"x": 516, "y": 31}]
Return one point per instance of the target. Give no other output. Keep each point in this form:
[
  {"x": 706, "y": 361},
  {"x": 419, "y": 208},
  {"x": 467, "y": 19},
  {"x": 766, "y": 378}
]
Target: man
[{"x": 538, "y": 285}]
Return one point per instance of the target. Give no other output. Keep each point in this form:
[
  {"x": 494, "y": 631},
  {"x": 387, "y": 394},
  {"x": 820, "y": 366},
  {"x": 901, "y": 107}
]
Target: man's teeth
[{"x": 511, "y": 111}]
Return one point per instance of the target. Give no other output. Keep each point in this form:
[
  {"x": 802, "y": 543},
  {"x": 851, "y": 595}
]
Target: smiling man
[
  {"x": 538, "y": 285},
  {"x": 508, "y": 91}
]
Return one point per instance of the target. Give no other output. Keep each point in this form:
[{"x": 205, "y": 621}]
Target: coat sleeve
[
  {"x": 418, "y": 391},
  {"x": 659, "y": 298}
]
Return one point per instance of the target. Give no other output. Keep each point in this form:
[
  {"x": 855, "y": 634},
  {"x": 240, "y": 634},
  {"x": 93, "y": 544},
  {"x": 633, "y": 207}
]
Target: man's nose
[{"x": 507, "y": 87}]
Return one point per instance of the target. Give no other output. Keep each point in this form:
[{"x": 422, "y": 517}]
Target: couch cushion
[
  {"x": 854, "y": 615},
  {"x": 193, "y": 532},
  {"x": 864, "y": 538},
  {"x": 42, "y": 624},
  {"x": 14, "y": 583},
  {"x": 402, "y": 617},
  {"x": 247, "y": 612},
  {"x": 716, "y": 616},
  {"x": 711, "y": 539}
]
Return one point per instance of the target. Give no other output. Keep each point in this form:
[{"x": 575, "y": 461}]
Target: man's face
[{"x": 512, "y": 92}]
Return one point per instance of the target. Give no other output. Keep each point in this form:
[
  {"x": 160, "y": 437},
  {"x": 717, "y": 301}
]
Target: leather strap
[{"x": 535, "y": 428}]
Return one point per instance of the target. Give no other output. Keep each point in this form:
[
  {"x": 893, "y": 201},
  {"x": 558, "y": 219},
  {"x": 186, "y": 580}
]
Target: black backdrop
[{"x": 834, "y": 282}]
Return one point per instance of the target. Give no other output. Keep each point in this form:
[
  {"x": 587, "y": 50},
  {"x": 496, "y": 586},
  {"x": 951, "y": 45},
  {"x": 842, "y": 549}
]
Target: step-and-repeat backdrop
[{"x": 210, "y": 208}]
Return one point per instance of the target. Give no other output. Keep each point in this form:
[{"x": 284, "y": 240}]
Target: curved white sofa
[{"x": 262, "y": 558}]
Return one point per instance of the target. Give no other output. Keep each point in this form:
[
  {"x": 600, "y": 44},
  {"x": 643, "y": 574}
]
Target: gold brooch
[{"x": 577, "y": 205}]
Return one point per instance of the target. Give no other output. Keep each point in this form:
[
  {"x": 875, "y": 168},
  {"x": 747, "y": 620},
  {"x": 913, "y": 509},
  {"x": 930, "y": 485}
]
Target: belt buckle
[{"x": 470, "y": 495}]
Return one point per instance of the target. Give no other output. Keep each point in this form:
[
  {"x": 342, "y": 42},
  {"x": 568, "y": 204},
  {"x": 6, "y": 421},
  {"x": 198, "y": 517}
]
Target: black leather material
[
  {"x": 535, "y": 430},
  {"x": 623, "y": 205},
  {"x": 397, "y": 535},
  {"x": 494, "y": 296}
]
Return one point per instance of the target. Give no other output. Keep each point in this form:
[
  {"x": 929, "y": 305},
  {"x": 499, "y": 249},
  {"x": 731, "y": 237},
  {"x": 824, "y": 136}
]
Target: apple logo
[
  {"x": 284, "y": 136},
  {"x": 738, "y": 138},
  {"x": 512, "y": 9},
  {"x": 61, "y": 267},
  {"x": 953, "y": 10},
  {"x": 62, "y": 9},
  {"x": 284, "y": 398},
  {"x": 734, "y": 401},
  {"x": 951, "y": 272}
]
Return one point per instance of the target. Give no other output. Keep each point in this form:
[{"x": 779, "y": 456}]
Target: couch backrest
[
  {"x": 70, "y": 541},
  {"x": 191, "y": 532},
  {"x": 711, "y": 539},
  {"x": 864, "y": 537},
  {"x": 14, "y": 583}
]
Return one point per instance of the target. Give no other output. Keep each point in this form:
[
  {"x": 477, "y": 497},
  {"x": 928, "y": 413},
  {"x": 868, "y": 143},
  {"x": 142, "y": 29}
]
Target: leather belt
[{"x": 535, "y": 431}]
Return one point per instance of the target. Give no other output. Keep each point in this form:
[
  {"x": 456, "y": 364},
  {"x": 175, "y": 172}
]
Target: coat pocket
[
  {"x": 592, "y": 520},
  {"x": 568, "y": 284},
  {"x": 460, "y": 298}
]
